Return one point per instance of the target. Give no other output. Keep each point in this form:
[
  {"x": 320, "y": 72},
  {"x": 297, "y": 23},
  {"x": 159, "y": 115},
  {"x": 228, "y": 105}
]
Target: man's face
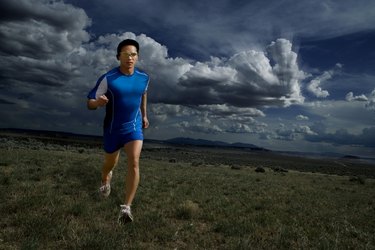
[{"x": 128, "y": 56}]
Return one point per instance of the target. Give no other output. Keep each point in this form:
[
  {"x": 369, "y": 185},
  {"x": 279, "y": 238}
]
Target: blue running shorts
[{"x": 115, "y": 141}]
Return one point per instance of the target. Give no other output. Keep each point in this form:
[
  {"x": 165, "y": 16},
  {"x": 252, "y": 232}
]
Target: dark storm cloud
[
  {"x": 2, "y": 101},
  {"x": 41, "y": 41},
  {"x": 37, "y": 40},
  {"x": 41, "y": 29},
  {"x": 58, "y": 15},
  {"x": 32, "y": 71}
]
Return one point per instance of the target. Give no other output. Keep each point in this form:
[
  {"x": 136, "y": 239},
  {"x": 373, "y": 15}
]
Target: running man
[{"x": 123, "y": 90}]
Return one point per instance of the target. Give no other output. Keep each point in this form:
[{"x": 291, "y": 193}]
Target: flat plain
[{"x": 188, "y": 198}]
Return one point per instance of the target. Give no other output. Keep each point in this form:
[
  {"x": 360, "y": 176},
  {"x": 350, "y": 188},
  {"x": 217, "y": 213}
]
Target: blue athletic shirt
[{"x": 124, "y": 93}]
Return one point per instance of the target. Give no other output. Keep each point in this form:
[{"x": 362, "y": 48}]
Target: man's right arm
[{"x": 93, "y": 104}]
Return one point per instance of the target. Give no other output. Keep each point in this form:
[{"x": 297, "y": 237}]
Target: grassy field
[{"x": 49, "y": 201}]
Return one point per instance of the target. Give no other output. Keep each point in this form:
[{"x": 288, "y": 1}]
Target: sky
[{"x": 281, "y": 74}]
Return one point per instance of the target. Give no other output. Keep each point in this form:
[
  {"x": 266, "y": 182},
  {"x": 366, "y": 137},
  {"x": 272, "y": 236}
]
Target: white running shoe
[
  {"x": 125, "y": 215},
  {"x": 105, "y": 189}
]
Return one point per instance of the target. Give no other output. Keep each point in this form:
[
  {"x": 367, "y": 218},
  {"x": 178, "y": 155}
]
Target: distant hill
[
  {"x": 46, "y": 133},
  {"x": 351, "y": 157},
  {"x": 208, "y": 143},
  {"x": 67, "y": 137},
  {"x": 175, "y": 141}
]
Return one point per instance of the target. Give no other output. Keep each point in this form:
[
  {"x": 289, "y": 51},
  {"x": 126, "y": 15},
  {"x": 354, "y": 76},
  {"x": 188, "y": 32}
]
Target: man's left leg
[{"x": 133, "y": 151}]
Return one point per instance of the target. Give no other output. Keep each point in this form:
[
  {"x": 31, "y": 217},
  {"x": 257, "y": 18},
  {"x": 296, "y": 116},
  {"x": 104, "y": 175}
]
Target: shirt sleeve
[
  {"x": 148, "y": 81},
  {"x": 100, "y": 88}
]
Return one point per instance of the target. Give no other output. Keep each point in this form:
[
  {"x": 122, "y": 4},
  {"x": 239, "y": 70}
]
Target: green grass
[{"x": 49, "y": 201}]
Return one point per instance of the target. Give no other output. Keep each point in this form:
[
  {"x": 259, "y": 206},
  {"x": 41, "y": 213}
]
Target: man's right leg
[{"x": 110, "y": 161}]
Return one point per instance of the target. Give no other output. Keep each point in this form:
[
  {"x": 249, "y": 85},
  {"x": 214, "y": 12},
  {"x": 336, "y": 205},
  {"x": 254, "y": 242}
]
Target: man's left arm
[{"x": 145, "y": 122}]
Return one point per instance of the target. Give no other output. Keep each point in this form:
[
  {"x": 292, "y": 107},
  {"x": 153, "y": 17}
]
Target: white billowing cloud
[
  {"x": 371, "y": 101},
  {"x": 334, "y": 115},
  {"x": 302, "y": 118},
  {"x": 206, "y": 118},
  {"x": 256, "y": 63},
  {"x": 350, "y": 97},
  {"x": 314, "y": 84},
  {"x": 277, "y": 84},
  {"x": 247, "y": 79},
  {"x": 223, "y": 111},
  {"x": 289, "y": 133},
  {"x": 283, "y": 133},
  {"x": 303, "y": 129},
  {"x": 314, "y": 88},
  {"x": 233, "y": 119},
  {"x": 240, "y": 128},
  {"x": 204, "y": 83},
  {"x": 287, "y": 71},
  {"x": 161, "y": 113},
  {"x": 201, "y": 126}
]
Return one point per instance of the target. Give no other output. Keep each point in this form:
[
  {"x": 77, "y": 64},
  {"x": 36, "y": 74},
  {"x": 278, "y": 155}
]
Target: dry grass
[{"x": 49, "y": 201}]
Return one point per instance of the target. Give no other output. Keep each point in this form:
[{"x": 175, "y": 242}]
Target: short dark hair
[{"x": 127, "y": 42}]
